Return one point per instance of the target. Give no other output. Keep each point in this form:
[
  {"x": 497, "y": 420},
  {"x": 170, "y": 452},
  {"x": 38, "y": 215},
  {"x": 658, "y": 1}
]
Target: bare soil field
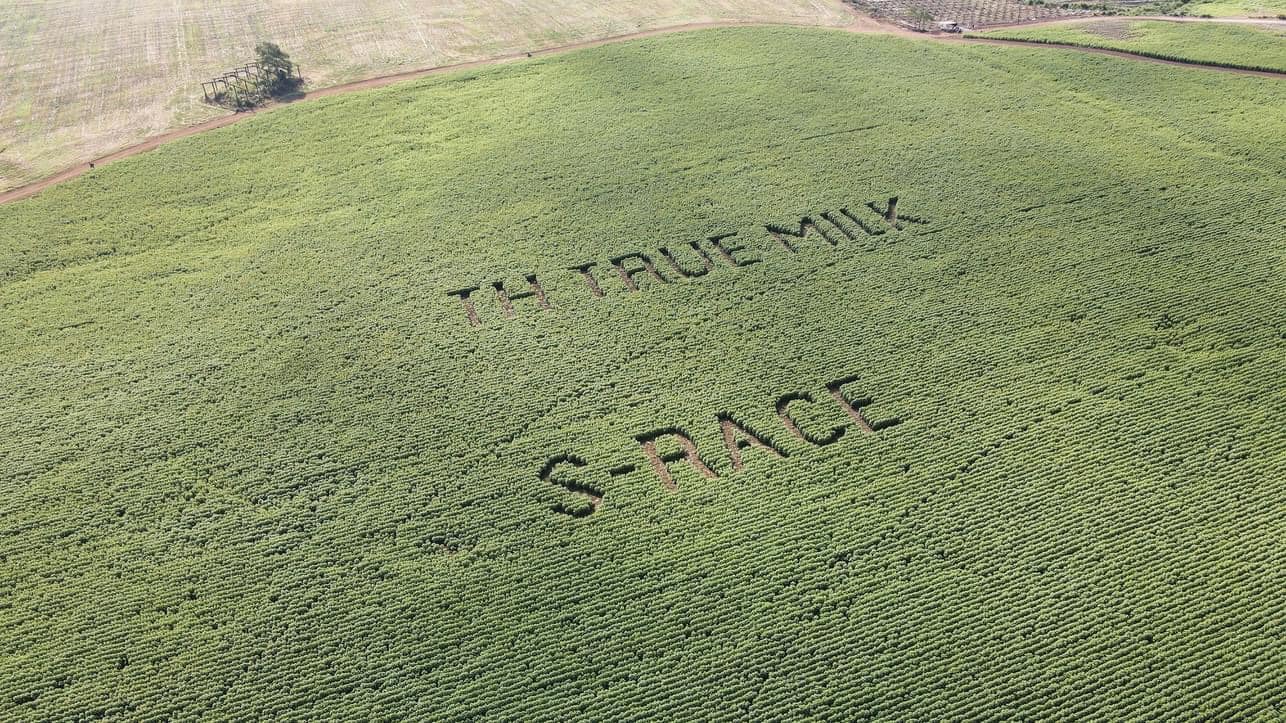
[{"x": 83, "y": 78}]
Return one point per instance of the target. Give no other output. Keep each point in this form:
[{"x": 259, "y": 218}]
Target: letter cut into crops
[
  {"x": 703, "y": 261},
  {"x": 729, "y": 252},
  {"x": 789, "y": 239},
  {"x": 470, "y": 311},
  {"x": 737, "y": 437},
  {"x": 853, "y": 407},
  {"x": 629, "y": 276},
  {"x": 783, "y": 411},
  {"x": 687, "y": 452},
  {"x": 588, "y": 277},
  {"x": 550, "y": 474},
  {"x": 506, "y": 299}
]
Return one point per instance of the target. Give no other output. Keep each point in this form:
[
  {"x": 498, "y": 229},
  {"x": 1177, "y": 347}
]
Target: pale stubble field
[{"x": 82, "y": 78}]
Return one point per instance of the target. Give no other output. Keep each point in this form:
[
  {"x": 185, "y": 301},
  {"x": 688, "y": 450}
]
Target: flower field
[{"x": 1013, "y": 448}]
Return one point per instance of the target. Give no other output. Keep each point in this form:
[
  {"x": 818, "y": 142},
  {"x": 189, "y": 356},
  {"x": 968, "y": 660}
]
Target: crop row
[{"x": 254, "y": 463}]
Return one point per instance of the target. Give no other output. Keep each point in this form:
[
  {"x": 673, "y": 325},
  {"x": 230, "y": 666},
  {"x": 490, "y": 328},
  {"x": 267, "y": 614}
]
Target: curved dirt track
[{"x": 861, "y": 24}]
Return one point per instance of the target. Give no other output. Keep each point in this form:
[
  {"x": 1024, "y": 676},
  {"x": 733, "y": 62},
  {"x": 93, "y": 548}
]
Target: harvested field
[{"x": 85, "y": 77}]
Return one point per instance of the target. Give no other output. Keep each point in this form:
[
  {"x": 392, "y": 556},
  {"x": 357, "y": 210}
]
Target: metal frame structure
[{"x": 241, "y": 82}]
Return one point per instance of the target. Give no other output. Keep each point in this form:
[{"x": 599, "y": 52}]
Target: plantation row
[
  {"x": 922, "y": 14},
  {"x": 855, "y": 566},
  {"x": 255, "y": 462}
]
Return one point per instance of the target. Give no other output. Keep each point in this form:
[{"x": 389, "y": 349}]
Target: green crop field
[
  {"x": 1237, "y": 46},
  {"x": 606, "y": 386},
  {"x": 1237, "y": 8}
]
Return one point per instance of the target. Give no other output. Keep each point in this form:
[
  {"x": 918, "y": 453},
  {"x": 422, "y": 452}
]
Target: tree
[{"x": 276, "y": 64}]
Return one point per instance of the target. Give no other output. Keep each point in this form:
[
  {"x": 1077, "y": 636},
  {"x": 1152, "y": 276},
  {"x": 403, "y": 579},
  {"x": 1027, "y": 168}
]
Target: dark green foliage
[{"x": 281, "y": 77}]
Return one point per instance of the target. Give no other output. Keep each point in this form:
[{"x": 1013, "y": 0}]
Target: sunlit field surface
[{"x": 715, "y": 432}]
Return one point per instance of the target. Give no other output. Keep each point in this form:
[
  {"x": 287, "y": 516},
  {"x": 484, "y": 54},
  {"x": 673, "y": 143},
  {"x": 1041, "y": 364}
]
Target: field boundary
[
  {"x": 861, "y": 24},
  {"x": 1271, "y": 22},
  {"x": 1131, "y": 54}
]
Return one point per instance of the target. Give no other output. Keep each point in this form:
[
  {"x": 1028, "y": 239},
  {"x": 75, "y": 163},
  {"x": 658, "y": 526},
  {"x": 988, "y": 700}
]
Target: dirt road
[{"x": 860, "y": 24}]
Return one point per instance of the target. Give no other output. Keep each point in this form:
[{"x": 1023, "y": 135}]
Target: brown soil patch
[{"x": 1115, "y": 29}]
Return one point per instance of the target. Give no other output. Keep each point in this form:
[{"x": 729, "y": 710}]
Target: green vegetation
[
  {"x": 255, "y": 462},
  {"x": 1237, "y": 8},
  {"x": 282, "y": 74},
  {"x": 1231, "y": 46}
]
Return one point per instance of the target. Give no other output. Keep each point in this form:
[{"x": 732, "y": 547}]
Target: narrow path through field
[{"x": 861, "y": 24}]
